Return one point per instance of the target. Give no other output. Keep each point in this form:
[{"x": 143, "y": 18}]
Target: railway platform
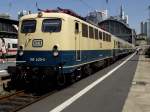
[
  {"x": 6, "y": 63},
  {"x": 3, "y": 79},
  {"x": 139, "y": 95},
  {"x": 3, "y": 71}
]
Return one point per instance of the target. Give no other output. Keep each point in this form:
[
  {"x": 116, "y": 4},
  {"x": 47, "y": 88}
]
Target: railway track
[{"x": 19, "y": 100}]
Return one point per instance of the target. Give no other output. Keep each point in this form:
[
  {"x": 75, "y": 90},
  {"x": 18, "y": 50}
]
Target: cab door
[{"x": 77, "y": 40}]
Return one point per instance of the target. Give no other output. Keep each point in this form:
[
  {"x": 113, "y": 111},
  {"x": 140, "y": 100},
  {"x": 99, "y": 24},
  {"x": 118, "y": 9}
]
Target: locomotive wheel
[
  {"x": 71, "y": 78},
  {"x": 34, "y": 83},
  {"x": 87, "y": 70},
  {"x": 17, "y": 82},
  {"x": 48, "y": 78},
  {"x": 61, "y": 80}
]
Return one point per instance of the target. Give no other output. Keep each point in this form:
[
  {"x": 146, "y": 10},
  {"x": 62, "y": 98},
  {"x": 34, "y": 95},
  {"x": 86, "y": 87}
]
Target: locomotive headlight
[
  {"x": 20, "y": 50},
  {"x": 20, "y": 53},
  {"x": 55, "y": 51}
]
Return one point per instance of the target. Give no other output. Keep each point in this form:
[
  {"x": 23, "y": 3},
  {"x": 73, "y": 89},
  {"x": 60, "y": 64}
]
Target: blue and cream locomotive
[{"x": 58, "y": 46}]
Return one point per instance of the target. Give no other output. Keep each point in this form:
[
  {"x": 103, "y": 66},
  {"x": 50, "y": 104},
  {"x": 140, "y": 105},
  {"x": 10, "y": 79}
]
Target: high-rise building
[
  {"x": 148, "y": 29},
  {"x": 148, "y": 23},
  {"x": 22, "y": 13},
  {"x": 142, "y": 29},
  {"x": 97, "y": 16},
  {"x": 145, "y": 28},
  {"x": 126, "y": 19}
]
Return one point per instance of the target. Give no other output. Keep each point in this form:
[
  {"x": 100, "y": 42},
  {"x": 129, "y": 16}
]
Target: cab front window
[
  {"x": 28, "y": 26},
  {"x": 51, "y": 25}
]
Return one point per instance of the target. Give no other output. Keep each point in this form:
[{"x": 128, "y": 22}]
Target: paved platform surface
[
  {"x": 3, "y": 72},
  {"x": 139, "y": 96},
  {"x": 8, "y": 62}
]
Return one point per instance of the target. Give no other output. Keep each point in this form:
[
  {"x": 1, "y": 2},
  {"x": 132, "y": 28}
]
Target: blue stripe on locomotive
[{"x": 65, "y": 58}]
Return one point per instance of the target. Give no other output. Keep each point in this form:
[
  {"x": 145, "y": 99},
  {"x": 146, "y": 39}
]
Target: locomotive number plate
[
  {"x": 38, "y": 59},
  {"x": 37, "y": 43}
]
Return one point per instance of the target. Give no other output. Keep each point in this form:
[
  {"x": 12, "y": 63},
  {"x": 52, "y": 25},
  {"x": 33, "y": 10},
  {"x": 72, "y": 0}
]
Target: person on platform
[
  {"x": 137, "y": 51},
  {"x": 3, "y": 49}
]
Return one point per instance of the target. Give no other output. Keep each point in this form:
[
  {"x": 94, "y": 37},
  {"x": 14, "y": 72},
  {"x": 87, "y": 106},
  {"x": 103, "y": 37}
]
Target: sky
[{"x": 137, "y": 10}]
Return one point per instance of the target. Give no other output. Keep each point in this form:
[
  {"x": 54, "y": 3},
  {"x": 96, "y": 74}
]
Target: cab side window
[{"x": 76, "y": 27}]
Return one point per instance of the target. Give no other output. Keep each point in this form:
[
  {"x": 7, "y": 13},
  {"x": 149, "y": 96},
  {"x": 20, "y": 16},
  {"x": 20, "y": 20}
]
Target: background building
[
  {"x": 4, "y": 15},
  {"x": 97, "y": 16},
  {"x": 22, "y": 13},
  {"x": 119, "y": 29},
  {"x": 145, "y": 28},
  {"x": 148, "y": 24},
  {"x": 8, "y": 28},
  {"x": 142, "y": 27},
  {"x": 118, "y": 26},
  {"x": 148, "y": 29}
]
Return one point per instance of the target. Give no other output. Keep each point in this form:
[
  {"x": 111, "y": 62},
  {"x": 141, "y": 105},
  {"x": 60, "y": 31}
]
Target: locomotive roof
[{"x": 44, "y": 15}]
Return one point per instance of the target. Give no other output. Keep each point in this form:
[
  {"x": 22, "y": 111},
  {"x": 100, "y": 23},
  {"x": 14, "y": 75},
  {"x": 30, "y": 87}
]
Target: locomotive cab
[{"x": 39, "y": 40}]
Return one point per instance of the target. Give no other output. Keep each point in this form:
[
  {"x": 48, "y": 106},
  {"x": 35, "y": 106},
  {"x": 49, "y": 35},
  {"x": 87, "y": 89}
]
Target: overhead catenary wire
[
  {"x": 87, "y": 5},
  {"x": 149, "y": 12}
]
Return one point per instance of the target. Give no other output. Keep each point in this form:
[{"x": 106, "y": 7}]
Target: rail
[{"x": 19, "y": 100}]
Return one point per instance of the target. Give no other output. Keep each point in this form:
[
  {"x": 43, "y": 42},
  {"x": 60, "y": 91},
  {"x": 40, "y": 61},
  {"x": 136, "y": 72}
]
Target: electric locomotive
[{"x": 58, "y": 45}]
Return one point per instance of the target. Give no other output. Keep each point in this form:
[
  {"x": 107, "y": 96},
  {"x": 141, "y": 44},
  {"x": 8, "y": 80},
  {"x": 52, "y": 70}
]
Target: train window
[
  {"x": 14, "y": 45},
  {"x": 118, "y": 44},
  {"x": 96, "y": 34},
  {"x": 100, "y": 35},
  {"x": 8, "y": 46},
  {"x": 109, "y": 38},
  {"x": 84, "y": 30},
  {"x": 104, "y": 36},
  {"x": 0, "y": 26},
  {"x": 91, "y": 32},
  {"x": 28, "y": 26},
  {"x": 51, "y": 25},
  {"x": 76, "y": 27}
]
